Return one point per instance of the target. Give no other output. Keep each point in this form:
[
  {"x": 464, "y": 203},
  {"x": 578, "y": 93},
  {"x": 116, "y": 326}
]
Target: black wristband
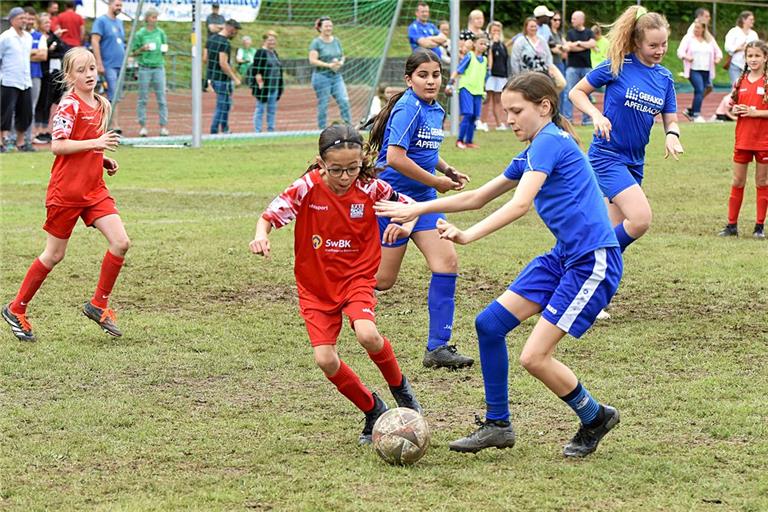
[{"x": 672, "y": 132}]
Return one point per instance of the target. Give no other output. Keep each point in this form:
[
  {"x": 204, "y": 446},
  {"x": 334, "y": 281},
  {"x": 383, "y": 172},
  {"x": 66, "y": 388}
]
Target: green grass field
[{"x": 211, "y": 400}]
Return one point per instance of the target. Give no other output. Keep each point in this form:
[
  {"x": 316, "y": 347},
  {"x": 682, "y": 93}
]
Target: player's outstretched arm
[
  {"x": 260, "y": 243},
  {"x": 529, "y": 186},
  {"x": 469, "y": 200}
]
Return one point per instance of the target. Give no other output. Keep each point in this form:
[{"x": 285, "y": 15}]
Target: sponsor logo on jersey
[
  {"x": 318, "y": 207},
  {"x": 356, "y": 210},
  {"x": 642, "y": 101},
  {"x": 429, "y": 137},
  {"x": 338, "y": 244},
  {"x": 317, "y": 241}
]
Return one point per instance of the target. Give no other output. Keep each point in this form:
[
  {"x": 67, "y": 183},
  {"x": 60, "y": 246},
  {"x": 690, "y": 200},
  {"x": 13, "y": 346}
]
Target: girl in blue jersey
[
  {"x": 568, "y": 285},
  {"x": 637, "y": 88},
  {"x": 408, "y": 133}
]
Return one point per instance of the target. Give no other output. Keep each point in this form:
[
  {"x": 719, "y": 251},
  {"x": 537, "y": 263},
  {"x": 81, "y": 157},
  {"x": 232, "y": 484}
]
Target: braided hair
[{"x": 763, "y": 47}]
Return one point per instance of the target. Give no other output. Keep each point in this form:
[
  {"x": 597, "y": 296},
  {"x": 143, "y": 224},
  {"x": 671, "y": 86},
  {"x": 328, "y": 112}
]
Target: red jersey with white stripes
[
  {"x": 752, "y": 132},
  {"x": 77, "y": 179},
  {"x": 336, "y": 242}
]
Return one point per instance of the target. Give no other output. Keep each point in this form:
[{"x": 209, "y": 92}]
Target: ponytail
[
  {"x": 379, "y": 122},
  {"x": 564, "y": 124},
  {"x": 628, "y": 31}
]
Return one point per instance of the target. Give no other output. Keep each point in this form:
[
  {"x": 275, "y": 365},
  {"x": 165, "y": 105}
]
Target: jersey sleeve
[
  {"x": 98, "y": 27},
  {"x": 670, "y": 100},
  {"x": 64, "y": 119},
  {"x": 516, "y": 168},
  {"x": 383, "y": 191},
  {"x": 543, "y": 154},
  {"x": 413, "y": 35},
  {"x": 403, "y": 125},
  {"x": 601, "y": 75},
  {"x": 464, "y": 64},
  {"x": 284, "y": 208}
]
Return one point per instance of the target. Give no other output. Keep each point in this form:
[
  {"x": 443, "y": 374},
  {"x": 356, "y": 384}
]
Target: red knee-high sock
[
  {"x": 734, "y": 204},
  {"x": 32, "y": 281},
  {"x": 110, "y": 269},
  {"x": 762, "y": 204},
  {"x": 350, "y": 385},
  {"x": 387, "y": 362}
]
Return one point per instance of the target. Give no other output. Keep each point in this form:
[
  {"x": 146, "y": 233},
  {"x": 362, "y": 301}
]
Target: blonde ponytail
[{"x": 628, "y": 31}]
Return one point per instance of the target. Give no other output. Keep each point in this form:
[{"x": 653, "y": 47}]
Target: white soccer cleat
[{"x": 603, "y": 315}]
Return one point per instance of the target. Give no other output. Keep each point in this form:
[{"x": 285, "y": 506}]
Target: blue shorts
[
  {"x": 571, "y": 297},
  {"x": 424, "y": 223},
  {"x": 615, "y": 177},
  {"x": 469, "y": 104},
  {"x": 111, "y": 74}
]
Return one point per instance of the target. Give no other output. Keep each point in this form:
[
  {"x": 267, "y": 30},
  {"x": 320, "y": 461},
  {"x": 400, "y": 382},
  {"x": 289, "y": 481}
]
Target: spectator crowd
[{"x": 32, "y": 48}]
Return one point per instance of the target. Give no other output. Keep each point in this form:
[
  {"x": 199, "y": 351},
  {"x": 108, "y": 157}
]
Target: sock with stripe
[
  {"x": 350, "y": 385},
  {"x": 734, "y": 204},
  {"x": 110, "y": 269},
  {"x": 582, "y": 403},
  {"x": 387, "y": 362},
  {"x": 762, "y": 204},
  {"x": 32, "y": 281},
  {"x": 622, "y": 236},
  {"x": 441, "y": 304},
  {"x": 492, "y": 325}
]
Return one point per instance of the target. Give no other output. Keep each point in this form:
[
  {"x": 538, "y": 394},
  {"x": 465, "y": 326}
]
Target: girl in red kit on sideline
[
  {"x": 750, "y": 104},
  {"x": 77, "y": 190},
  {"x": 337, "y": 249}
]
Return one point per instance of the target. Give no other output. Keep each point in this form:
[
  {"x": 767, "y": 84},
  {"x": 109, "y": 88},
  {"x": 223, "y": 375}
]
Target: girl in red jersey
[
  {"x": 750, "y": 99},
  {"x": 77, "y": 190},
  {"x": 337, "y": 248}
]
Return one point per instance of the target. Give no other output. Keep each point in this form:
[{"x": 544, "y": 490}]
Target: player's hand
[
  {"x": 236, "y": 81},
  {"x": 448, "y": 91},
  {"x": 108, "y": 141},
  {"x": 398, "y": 212},
  {"x": 750, "y": 111},
  {"x": 457, "y": 177},
  {"x": 260, "y": 245},
  {"x": 100, "y": 68},
  {"x": 448, "y": 231},
  {"x": 444, "y": 184},
  {"x": 393, "y": 232},
  {"x": 111, "y": 165},
  {"x": 602, "y": 127},
  {"x": 673, "y": 147}
]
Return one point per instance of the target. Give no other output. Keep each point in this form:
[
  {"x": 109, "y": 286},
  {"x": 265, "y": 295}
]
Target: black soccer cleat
[
  {"x": 729, "y": 230},
  {"x": 20, "y": 326},
  {"x": 759, "y": 231},
  {"x": 446, "y": 356},
  {"x": 404, "y": 396},
  {"x": 104, "y": 317},
  {"x": 379, "y": 408},
  {"x": 491, "y": 434},
  {"x": 587, "y": 438}
]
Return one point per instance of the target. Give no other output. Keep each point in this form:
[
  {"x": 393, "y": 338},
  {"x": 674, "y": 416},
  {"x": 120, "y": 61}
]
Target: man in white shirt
[{"x": 16, "y": 78}]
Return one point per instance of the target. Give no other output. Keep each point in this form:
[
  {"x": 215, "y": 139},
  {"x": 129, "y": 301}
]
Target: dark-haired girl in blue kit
[
  {"x": 568, "y": 285},
  {"x": 408, "y": 133}
]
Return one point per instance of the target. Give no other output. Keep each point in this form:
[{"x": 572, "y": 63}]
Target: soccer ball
[{"x": 401, "y": 436}]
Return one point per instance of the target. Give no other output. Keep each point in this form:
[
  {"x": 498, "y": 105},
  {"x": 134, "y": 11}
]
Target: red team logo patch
[{"x": 317, "y": 241}]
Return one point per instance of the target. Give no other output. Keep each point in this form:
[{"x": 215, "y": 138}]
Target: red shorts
[
  {"x": 324, "y": 325},
  {"x": 61, "y": 220},
  {"x": 745, "y": 156}
]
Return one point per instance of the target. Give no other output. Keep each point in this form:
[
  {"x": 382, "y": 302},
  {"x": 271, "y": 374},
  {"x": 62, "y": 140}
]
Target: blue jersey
[
  {"x": 632, "y": 100},
  {"x": 417, "y": 127},
  {"x": 569, "y": 202},
  {"x": 417, "y": 30}
]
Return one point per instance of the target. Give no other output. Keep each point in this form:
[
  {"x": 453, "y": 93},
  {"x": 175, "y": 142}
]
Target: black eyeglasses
[
  {"x": 556, "y": 19},
  {"x": 351, "y": 172}
]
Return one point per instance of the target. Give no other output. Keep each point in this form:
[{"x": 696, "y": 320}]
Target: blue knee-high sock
[
  {"x": 622, "y": 236},
  {"x": 471, "y": 134},
  {"x": 493, "y": 324},
  {"x": 441, "y": 303},
  {"x": 467, "y": 122},
  {"x": 582, "y": 403}
]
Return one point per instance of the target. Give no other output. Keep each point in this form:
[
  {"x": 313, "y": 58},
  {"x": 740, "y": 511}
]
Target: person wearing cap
[
  {"x": 220, "y": 73},
  {"x": 150, "y": 45},
  {"x": 16, "y": 77},
  {"x": 215, "y": 21},
  {"x": 543, "y": 18},
  {"x": 108, "y": 45}
]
